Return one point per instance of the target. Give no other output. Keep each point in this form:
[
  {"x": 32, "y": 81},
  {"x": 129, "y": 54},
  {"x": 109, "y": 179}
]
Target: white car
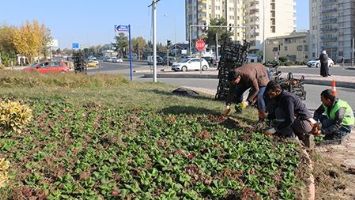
[
  {"x": 316, "y": 63},
  {"x": 190, "y": 64},
  {"x": 117, "y": 60}
]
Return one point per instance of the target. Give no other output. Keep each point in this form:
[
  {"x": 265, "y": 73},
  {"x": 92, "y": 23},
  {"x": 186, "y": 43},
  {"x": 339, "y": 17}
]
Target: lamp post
[{"x": 209, "y": 26}]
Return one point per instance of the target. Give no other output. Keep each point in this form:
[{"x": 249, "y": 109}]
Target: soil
[{"x": 334, "y": 170}]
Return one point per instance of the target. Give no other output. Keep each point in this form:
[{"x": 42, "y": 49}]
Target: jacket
[
  {"x": 292, "y": 106},
  {"x": 340, "y": 112},
  {"x": 253, "y": 76}
]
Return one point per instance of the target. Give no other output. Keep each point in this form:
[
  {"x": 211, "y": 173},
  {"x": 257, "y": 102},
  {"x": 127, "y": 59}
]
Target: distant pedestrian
[
  {"x": 342, "y": 61},
  {"x": 324, "y": 68}
]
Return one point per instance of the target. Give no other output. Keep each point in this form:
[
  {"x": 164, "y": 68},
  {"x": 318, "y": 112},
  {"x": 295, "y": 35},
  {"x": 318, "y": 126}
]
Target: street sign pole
[
  {"x": 126, "y": 28},
  {"x": 130, "y": 53}
]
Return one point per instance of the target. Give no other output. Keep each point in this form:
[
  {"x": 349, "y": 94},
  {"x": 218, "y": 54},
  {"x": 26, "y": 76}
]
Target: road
[
  {"x": 342, "y": 71},
  {"x": 313, "y": 91}
]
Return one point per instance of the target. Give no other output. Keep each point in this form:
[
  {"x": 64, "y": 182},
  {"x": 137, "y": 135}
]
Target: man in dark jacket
[
  {"x": 287, "y": 112},
  {"x": 335, "y": 115},
  {"x": 324, "y": 68},
  {"x": 253, "y": 76}
]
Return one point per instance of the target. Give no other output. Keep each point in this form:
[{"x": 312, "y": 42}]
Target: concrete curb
[{"x": 311, "y": 81}]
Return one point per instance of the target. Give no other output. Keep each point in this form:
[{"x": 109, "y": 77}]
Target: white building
[
  {"x": 257, "y": 19},
  {"x": 332, "y": 27}
]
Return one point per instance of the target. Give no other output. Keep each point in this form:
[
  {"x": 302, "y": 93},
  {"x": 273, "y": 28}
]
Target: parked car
[
  {"x": 170, "y": 62},
  {"x": 160, "y": 60},
  {"x": 48, "y": 67},
  {"x": 211, "y": 61},
  {"x": 92, "y": 63},
  {"x": 316, "y": 63},
  {"x": 117, "y": 60},
  {"x": 191, "y": 64},
  {"x": 107, "y": 59}
]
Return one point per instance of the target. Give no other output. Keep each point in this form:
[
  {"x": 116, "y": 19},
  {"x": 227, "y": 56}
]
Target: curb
[{"x": 343, "y": 84}]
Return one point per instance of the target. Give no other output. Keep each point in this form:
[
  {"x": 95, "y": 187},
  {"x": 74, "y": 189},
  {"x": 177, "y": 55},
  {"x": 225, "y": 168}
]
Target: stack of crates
[{"x": 233, "y": 55}]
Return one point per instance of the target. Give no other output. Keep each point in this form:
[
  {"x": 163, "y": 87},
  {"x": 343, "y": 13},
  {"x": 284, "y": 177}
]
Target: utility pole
[
  {"x": 154, "y": 19},
  {"x": 264, "y": 45},
  {"x": 352, "y": 51}
]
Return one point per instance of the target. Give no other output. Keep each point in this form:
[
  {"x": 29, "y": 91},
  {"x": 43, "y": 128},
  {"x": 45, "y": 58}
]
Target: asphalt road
[
  {"x": 313, "y": 91},
  {"x": 342, "y": 71}
]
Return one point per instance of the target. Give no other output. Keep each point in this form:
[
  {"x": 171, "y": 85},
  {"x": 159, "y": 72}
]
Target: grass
[{"x": 102, "y": 137}]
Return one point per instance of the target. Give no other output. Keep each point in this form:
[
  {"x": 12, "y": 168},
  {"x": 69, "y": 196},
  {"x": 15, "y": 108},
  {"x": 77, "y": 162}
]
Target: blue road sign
[
  {"x": 121, "y": 27},
  {"x": 75, "y": 45}
]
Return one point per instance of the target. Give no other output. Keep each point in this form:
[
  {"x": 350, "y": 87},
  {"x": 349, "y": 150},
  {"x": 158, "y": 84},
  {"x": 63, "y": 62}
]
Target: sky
[{"x": 91, "y": 22}]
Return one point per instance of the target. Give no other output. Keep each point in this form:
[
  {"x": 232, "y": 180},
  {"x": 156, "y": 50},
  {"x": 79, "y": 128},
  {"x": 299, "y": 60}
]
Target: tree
[
  {"x": 30, "y": 39},
  {"x": 121, "y": 43},
  {"x": 47, "y": 39},
  {"x": 7, "y": 48},
  {"x": 222, "y": 33},
  {"x": 139, "y": 44}
]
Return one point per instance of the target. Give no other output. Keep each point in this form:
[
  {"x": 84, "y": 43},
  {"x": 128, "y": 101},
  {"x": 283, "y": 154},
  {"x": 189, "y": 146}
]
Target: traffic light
[{"x": 168, "y": 43}]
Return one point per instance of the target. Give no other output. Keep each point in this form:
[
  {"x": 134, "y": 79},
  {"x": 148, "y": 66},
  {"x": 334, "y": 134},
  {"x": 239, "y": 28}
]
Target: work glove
[
  {"x": 227, "y": 110},
  {"x": 242, "y": 105}
]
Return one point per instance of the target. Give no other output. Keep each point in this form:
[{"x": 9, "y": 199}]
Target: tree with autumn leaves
[{"x": 30, "y": 40}]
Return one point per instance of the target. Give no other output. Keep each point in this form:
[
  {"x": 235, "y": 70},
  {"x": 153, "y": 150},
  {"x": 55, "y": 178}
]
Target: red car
[{"x": 48, "y": 67}]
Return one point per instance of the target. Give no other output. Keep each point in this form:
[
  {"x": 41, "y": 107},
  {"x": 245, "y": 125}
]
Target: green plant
[{"x": 283, "y": 59}]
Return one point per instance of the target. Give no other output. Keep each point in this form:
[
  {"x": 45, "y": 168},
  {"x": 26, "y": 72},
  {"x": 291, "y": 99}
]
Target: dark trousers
[
  {"x": 324, "y": 69},
  {"x": 299, "y": 127},
  {"x": 332, "y": 130}
]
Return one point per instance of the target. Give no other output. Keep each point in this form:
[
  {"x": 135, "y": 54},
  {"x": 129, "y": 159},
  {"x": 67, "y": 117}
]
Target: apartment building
[
  {"x": 294, "y": 47},
  {"x": 332, "y": 27},
  {"x": 256, "y": 19}
]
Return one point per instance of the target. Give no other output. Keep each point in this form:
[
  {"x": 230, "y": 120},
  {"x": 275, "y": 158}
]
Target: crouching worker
[
  {"x": 335, "y": 116},
  {"x": 253, "y": 76},
  {"x": 288, "y": 114}
]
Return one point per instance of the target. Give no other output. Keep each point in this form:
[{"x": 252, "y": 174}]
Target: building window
[
  {"x": 299, "y": 48},
  {"x": 273, "y": 29},
  {"x": 285, "y": 48}
]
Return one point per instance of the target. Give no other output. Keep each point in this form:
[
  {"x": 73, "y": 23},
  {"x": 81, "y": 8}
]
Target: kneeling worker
[
  {"x": 288, "y": 113},
  {"x": 335, "y": 115},
  {"x": 253, "y": 76}
]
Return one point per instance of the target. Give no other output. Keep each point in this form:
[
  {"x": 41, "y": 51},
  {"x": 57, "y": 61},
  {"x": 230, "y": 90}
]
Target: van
[{"x": 150, "y": 61}]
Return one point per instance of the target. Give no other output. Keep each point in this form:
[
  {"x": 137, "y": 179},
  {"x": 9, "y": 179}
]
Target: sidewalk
[{"x": 341, "y": 81}]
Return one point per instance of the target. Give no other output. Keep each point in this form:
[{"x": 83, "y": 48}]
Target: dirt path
[{"x": 338, "y": 168}]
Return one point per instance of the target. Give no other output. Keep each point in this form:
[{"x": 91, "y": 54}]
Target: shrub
[
  {"x": 14, "y": 116},
  {"x": 283, "y": 59},
  {"x": 4, "y": 166}
]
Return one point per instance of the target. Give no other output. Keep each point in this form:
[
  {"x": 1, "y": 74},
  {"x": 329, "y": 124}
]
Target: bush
[
  {"x": 4, "y": 166},
  {"x": 283, "y": 59},
  {"x": 14, "y": 116}
]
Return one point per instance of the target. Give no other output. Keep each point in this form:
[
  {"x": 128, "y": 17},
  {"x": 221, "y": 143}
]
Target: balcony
[
  {"x": 329, "y": 10},
  {"x": 329, "y": 39}
]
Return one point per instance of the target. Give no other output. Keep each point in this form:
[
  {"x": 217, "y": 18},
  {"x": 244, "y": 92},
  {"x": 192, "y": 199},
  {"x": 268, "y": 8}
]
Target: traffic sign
[
  {"x": 75, "y": 45},
  {"x": 121, "y": 27},
  {"x": 200, "y": 45}
]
